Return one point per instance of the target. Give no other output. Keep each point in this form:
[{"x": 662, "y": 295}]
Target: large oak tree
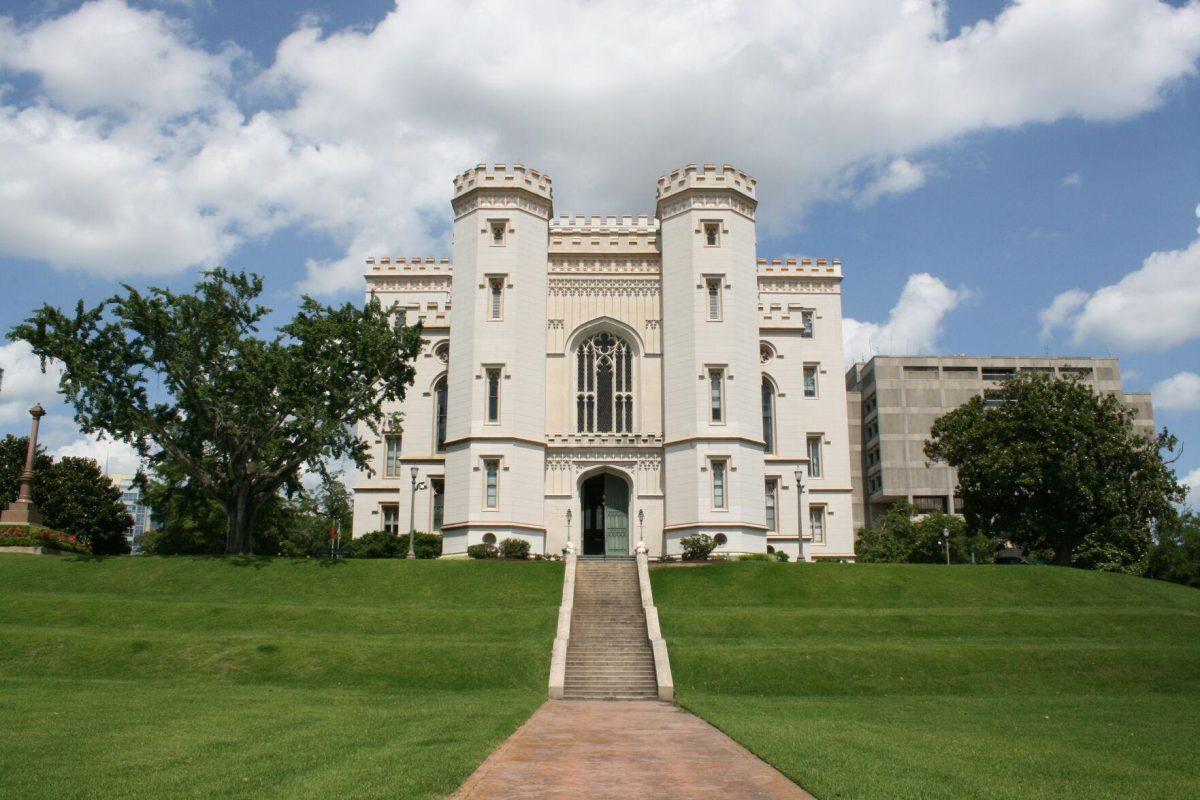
[
  {"x": 1060, "y": 471},
  {"x": 188, "y": 379}
]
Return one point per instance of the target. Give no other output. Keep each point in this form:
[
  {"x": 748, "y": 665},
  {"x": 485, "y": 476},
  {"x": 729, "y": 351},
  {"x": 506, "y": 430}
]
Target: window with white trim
[
  {"x": 498, "y": 232},
  {"x": 492, "y": 409},
  {"x": 810, "y": 380},
  {"x": 491, "y": 483},
  {"x": 815, "y": 467},
  {"x": 391, "y": 518},
  {"x": 771, "y": 498},
  {"x": 391, "y": 463},
  {"x": 496, "y": 297},
  {"x": 716, "y": 395},
  {"x": 712, "y": 288},
  {"x": 816, "y": 523},
  {"x": 719, "y": 468},
  {"x": 806, "y": 319},
  {"x": 712, "y": 234}
]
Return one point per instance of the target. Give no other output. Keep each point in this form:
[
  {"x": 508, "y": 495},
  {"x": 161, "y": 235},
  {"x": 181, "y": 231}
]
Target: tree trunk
[{"x": 240, "y": 514}]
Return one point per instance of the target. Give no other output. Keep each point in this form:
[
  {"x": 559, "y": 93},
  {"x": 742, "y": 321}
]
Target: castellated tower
[
  {"x": 496, "y": 425},
  {"x": 712, "y": 427}
]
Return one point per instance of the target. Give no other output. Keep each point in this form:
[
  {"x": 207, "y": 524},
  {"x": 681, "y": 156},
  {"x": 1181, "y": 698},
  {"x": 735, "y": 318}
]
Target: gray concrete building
[{"x": 892, "y": 402}]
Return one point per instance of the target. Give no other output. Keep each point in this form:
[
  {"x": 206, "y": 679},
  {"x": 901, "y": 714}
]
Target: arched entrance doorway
[{"x": 605, "y": 505}]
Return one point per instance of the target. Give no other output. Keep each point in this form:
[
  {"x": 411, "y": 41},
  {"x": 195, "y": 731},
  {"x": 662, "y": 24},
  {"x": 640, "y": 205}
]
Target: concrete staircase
[{"x": 609, "y": 655}]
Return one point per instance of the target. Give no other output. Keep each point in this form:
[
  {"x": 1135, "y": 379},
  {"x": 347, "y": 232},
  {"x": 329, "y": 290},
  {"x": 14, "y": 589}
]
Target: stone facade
[
  {"x": 615, "y": 379},
  {"x": 892, "y": 402}
]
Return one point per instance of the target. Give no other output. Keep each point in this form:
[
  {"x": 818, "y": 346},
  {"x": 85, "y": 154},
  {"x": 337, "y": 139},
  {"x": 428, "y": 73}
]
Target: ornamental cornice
[
  {"x": 492, "y": 200},
  {"x": 799, "y": 285},
  {"x": 562, "y": 286},
  {"x": 606, "y": 262},
  {"x": 697, "y": 200},
  {"x": 415, "y": 283}
]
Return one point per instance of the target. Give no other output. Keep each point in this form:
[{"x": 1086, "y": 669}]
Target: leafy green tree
[
  {"x": 1175, "y": 556},
  {"x": 902, "y": 537},
  {"x": 1059, "y": 471},
  {"x": 72, "y": 493},
  {"x": 186, "y": 379}
]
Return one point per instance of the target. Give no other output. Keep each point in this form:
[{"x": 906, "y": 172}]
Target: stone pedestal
[{"x": 21, "y": 512}]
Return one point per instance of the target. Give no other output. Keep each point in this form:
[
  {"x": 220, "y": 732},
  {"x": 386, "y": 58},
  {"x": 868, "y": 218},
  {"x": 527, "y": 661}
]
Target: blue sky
[{"x": 996, "y": 178}]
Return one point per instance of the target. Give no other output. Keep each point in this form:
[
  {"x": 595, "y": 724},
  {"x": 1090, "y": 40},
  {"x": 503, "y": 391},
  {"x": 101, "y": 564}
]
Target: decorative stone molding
[
  {"x": 662, "y": 662},
  {"x": 565, "y": 287},
  {"x": 558, "y": 655},
  {"x": 606, "y": 262}
]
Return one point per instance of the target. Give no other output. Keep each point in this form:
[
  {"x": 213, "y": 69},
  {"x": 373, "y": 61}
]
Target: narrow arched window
[
  {"x": 768, "y": 414},
  {"x": 439, "y": 412},
  {"x": 604, "y": 385}
]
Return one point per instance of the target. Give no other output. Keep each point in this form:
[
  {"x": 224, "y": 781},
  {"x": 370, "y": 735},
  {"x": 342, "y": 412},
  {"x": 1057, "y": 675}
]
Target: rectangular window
[
  {"x": 498, "y": 229},
  {"x": 439, "y": 502},
  {"x": 810, "y": 380},
  {"x": 930, "y": 504},
  {"x": 718, "y": 483},
  {"x": 712, "y": 234},
  {"x": 814, "y": 456},
  {"x": 772, "y": 497},
  {"x": 493, "y": 394},
  {"x": 806, "y": 319},
  {"x": 400, "y": 320},
  {"x": 713, "y": 286},
  {"x": 491, "y": 469},
  {"x": 716, "y": 395},
  {"x": 496, "y": 298},
  {"x": 391, "y": 518},
  {"x": 921, "y": 372},
  {"x": 960, "y": 373},
  {"x": 391, "y": 466},
  {"x": 816, "y": 523},
  {"x": 998, "y": 373}
]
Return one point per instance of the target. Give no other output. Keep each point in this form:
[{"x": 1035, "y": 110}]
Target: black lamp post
[
  {"x": 800, "y": 514},
  {"x": 412, "y": 514}
]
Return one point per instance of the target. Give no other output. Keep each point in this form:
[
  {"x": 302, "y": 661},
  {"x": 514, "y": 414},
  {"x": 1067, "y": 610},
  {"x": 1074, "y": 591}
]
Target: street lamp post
[
  {"x": 642, "y": 530},
  {"x": 946, "y": 541},
  {"x": 570, "y": 547},
  {"x": 800, "y": 514},
  {"x": 23, "y": 510},
  {"x": 412, "y": 513}
]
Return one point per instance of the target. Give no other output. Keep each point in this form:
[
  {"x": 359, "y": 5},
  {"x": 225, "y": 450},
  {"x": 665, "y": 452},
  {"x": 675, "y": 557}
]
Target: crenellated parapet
[
  {"x": 582, "y": 224},
  {"x": 800, "y": 266},
  {"x": 418, "y": 264},
  {"x": 703, "y": 177},
  {"x": 503, "y": 186}
]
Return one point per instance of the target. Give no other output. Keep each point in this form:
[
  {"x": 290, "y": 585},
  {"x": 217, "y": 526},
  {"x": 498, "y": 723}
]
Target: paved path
[{"x": 595, "y": 750}]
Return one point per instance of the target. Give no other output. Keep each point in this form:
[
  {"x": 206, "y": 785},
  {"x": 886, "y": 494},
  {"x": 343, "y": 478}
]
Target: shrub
[
  {"x": 381, "y": 544},
  {"x": 698, "y": 547},
  {"x": 483, "y": 551},
  {"x": 781, "y": 556},
  {"x": 37, "y": 536},
  {"x": 514, "y": 548},
  {"x": 756, "y": 557}
]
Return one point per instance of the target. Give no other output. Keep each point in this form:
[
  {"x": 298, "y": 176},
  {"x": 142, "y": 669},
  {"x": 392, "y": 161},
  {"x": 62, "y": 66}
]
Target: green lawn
[
  {"x": 922, "y": 682},
  {"x": 187, "y": 678}
]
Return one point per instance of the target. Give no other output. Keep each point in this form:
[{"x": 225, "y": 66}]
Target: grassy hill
[
  {"x": 132, "y": 678},
  {"x": 891, "y": 681}
]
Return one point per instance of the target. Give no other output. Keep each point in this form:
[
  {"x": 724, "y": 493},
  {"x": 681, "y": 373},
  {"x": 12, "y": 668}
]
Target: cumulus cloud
[
  {"x": 913, "y": 325},
  {"x": 1180, "y": 392},
  {"x": 1192, "y": 481},
  {"x": 898, "y": 177},
  {"x": 1154, "y": 307},
  {"x": 24, "y": 383},
  {"x": 116, "y": 458},
  {"x": 1072, "y": 179},
  {"x": 141, "y": 151}
]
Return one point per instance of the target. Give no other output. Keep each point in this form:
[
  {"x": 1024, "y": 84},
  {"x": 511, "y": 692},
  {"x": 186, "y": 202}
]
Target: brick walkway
[{"x": 595, "y": 750}]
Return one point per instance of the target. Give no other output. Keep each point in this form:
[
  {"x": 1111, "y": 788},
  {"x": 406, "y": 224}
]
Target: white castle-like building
[{"x": 610, "y": 380}]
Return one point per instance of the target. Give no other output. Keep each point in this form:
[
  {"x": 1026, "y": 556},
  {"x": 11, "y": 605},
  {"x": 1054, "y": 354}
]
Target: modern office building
[{"x": 893, "y": 401}]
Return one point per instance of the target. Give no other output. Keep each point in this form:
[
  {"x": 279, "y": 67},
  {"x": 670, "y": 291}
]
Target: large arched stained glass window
[{"x": 604, "y": 385}]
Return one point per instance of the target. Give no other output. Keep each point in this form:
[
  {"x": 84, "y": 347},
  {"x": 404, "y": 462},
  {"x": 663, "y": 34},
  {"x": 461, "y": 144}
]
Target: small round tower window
[
  {"x": 489, "y": 538},
  {"x": 442, "y": 351},
  {"x": 720, "y": 539},
  {"x": 765, "y": 352}
]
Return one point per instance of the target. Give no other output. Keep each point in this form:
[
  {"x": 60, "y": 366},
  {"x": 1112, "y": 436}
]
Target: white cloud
[
  {"x": 1180, "y": 392},
  {"x": 913, "y": 325},
  {"x": 24, "y": 383},
  {"x": 1072, "y": 179},
  {"x": 1155, "y": 307},
  {"x": 117, "y": 458},
  {"x": 1192, "y": 481},
  {"x": 899, "y": 177},
  {"x": 134, "y": 156}
]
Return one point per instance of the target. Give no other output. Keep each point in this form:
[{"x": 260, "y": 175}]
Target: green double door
[{"x": 606, "y": 516}]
